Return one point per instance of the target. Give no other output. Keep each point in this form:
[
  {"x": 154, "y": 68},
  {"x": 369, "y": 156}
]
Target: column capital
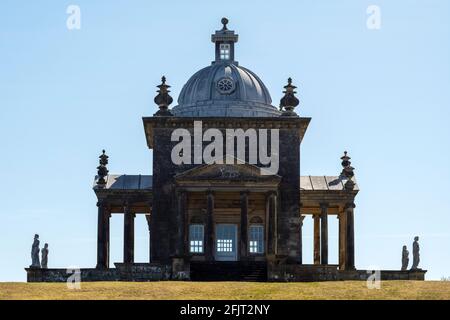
[
  {"x": 102, "y": 203},
  {"x": 129, "y": 213},
  {"x": 272, "y": 193},
  {"x": 127, "y": 208},
  {"x": 324, "y": 205},
  {"x": 350, "y": 205},
  {"x": 301, "y": 220},
  {"x": 244, "y": 192}
]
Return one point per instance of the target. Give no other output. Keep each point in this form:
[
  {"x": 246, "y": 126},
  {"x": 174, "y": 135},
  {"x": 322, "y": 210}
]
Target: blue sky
[{"x": 383, "y": 95}]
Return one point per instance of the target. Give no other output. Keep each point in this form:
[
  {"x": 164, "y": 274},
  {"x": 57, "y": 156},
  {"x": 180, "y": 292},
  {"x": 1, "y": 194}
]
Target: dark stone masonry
[{"x": 239, "y": 217}]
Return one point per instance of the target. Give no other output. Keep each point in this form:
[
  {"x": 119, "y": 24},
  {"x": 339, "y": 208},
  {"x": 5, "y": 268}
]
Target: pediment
[{"x": 227, "y": 172}]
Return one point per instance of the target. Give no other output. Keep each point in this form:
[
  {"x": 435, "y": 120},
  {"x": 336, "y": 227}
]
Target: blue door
[{"x": 226, "y": 239}]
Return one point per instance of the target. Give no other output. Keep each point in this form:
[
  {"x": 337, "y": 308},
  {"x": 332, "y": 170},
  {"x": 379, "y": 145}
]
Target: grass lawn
[{"x": 168, "y": 290}]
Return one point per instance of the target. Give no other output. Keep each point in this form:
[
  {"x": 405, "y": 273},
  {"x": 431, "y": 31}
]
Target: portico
[
  {"x": 126, "y": 195},
  {"x": 223, "y": 220},
  {"x": 240, "y": 212}
]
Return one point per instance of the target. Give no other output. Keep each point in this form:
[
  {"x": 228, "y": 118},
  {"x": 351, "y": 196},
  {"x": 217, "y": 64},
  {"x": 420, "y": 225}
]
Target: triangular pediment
[{"x": 227, "y": 172}]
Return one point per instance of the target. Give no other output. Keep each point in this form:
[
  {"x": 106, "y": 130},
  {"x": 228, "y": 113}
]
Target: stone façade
[{"x": 158, "y": 132}]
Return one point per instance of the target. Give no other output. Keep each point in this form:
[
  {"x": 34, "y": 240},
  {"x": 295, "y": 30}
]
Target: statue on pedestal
[
  {"x": 405, "y": 258},
  {"x": 35, "y": 253},
  {"x": 416, "y": 254},
  {"x": 44, "y": 254}
]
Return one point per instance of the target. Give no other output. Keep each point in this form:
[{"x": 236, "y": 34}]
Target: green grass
[{"x": 169, "y": 290}]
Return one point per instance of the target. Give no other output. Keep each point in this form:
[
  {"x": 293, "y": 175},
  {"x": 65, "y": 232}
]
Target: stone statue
[
  {"x": 35, "y": 253},
  {"x": 44, "y": 254},
  {"x": 416, "y": 254},
  {"x": 405, "y": 258}
]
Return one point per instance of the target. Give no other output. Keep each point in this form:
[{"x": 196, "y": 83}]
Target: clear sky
[{"x": 383, "y": 95}]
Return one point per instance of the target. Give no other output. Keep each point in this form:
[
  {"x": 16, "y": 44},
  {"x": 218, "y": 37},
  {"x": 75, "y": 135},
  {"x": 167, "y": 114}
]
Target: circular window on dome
[{"x": 225, "y": 85}]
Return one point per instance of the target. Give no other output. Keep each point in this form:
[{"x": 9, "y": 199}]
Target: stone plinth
[
  {"x": 122, "y": 272},
  {"x": 300, "y": 273},
  {"x": 143, "y": 271}
]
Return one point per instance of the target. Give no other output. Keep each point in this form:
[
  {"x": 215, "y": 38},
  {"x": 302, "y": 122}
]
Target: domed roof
[{"x": 225, "y": 89}]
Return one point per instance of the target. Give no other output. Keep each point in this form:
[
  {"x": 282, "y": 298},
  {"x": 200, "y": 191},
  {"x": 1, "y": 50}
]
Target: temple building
[{"x": 232, "y": 218}]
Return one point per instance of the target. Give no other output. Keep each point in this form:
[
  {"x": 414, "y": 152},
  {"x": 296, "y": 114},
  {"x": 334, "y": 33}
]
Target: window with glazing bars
[
  {"x": 256, "y": 239},
  {"x": 196, "y": 235},
  {"x": 224, "y": 51}
]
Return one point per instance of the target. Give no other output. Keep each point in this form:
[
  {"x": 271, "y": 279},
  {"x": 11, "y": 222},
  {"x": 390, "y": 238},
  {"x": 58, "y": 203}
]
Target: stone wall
[
  {"x": 301, "y": 273},
  {"x": 143, "y": 272},
  {"x": 288, "y": 220},
  {"x": 292, "y": 272},
  {"x": 276, "y": 273},
  {"x": 122, "y": 272},
  {"x": 165, "y": 239},
  {"x": 61, "y": 275}
]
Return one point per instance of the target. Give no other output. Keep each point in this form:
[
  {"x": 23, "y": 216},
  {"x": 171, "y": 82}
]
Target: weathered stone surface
[
  {"x": 61, "y": 275},
  {"x": 300, "y": 273},
  {"x": 405, "y": 258},
  {"x": 276, "y": 272},
  {"x": 143, "y": 272},
  {"x": 35, "y": 263},
  {"x": 416, "y": 254},
  {"x": 122, "y": 272},
  {"x": 44, "y": 254}
]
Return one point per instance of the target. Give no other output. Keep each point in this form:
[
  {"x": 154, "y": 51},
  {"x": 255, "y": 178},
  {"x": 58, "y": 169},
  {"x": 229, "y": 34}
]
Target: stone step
[{"x": 228, "y": 271}]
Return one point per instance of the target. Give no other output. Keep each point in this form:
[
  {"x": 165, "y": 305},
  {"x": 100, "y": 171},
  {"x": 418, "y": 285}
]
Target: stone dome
[{"x": 225, "y": 89}]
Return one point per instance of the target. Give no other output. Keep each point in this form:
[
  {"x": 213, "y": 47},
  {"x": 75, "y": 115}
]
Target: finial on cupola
[
  {"x": 289, "y": 101},
  {"x": 102, "y": 170},
  {"x": 347, "y": 171},
  {"x": 224, "y": 22},
  {"x": 163, "y": 99}
]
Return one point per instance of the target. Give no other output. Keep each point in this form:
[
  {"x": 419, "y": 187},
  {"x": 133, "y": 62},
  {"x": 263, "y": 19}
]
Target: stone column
[
  {"x": 350, "y": 263},
  {"x": 107, "y": 236},
  {"x": 102, "y": 236},
  {"x": 209, "y": 234},
  {"x": 342, "y": 240},
  {"x": 324, "y": 233},
  {"x": 148, "y": 218},
  {"x": 272, "y": 234},
  {"x": 316, "y": 218},
  {"x": 128, "y": 236},
  {"x": 300, "y": 248},
  {"x": 244, "y": 225}
]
